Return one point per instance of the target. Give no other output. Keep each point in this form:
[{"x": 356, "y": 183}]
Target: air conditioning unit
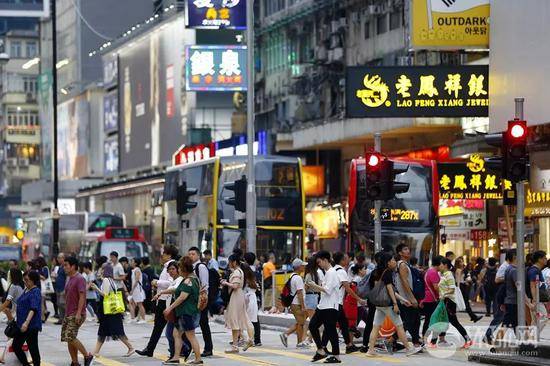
[
  {"x": 11, "y": 162},
  {"x": 24, "y": 162}
]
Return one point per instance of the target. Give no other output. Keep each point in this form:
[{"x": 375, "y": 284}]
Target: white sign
[{"x": 66, "y": 206}]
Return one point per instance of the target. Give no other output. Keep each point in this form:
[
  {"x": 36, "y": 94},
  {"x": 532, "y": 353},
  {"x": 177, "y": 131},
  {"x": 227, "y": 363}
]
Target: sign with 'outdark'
[{"x": 417, "y": 91}]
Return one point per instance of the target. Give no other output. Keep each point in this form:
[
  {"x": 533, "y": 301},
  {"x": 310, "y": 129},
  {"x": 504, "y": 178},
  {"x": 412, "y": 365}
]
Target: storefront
[{"x": 537, "y": 213}]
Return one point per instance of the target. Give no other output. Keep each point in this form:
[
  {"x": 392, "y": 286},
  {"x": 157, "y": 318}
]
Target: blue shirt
[
  {"x": 60, "y": 281},
  {"x": 30, "y": 300}
]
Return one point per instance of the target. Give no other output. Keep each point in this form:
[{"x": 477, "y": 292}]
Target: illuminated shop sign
[
  {"x": 423, "y": 91},
  {"x": 470, "y": 180},
  {"x": 216, "y": 68},
  {"x": 398, "y": 215},
  {"x": 214, "y": 14}
]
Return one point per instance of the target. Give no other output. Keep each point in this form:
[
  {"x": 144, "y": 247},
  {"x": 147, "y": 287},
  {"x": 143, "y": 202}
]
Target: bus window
[
  {"x": 129, "y": 249},
  {"x": 99, "y": 222}
]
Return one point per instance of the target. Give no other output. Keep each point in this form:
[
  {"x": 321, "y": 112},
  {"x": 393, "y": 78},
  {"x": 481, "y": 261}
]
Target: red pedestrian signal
[
  {"x": 516, "y": 158},
  {"x": 517, "y": 130},
  {"x": 373, "y": 160}
]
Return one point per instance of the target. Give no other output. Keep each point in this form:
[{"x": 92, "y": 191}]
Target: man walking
[
  {"x": 119, "y": 275},
  {"x": 168, "y": 255},
  {"x": 201, "y": 270},
  {"x": 268, "y": 270},
  {"x": 75, "y": 315},
  {"x": 409, "y": 315},
  {"x": 326, "y": 313},
  {"x": 298, "y": 306},
  {"x": 59, "y": 287},
  {"x": 211, "y": 263}
]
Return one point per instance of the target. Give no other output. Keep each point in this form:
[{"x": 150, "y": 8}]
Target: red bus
[
  {"x": 410, "y": 218},
  {"x": 127, "y": 242}
]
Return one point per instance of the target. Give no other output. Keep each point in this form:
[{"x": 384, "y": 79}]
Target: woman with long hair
[
  {"x": 312, "y": 294},
  {"x": 236, "y": 317},
  {"x": 137, "y": 293},
  {"x": 251, "y": 300},
  {"x": 15, "y": 290},
  {"x": 42, "y": 267},
  {"x": 111, "y": 326},
  {"x": 386, "y": 266},
  {"x": 187, "y": 313},
  {"x": 463, "y": 277}
]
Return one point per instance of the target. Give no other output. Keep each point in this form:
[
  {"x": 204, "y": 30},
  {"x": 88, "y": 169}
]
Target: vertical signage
[{"x": 215, "y": 14}]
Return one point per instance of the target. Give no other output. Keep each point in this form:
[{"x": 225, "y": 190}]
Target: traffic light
[
  {"x": 374, "y": 162},
  {"x": 516, "y": 157},
  {"x": 239, "y": 200},
  {"x": 183, "y": 204},
  {"x": 381, "y": 174}
]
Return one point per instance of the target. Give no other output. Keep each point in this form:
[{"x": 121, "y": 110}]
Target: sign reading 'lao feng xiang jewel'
[
  {"x": 417, "y": 91},
  {"x": 471, "y": 180}
]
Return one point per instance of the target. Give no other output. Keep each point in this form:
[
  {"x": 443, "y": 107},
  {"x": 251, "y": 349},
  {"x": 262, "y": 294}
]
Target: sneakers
[
  {"x": 444, "y": 344},
  {"x": 364, "y": 349},
  {"x": 469, "y": 343},
  {"x": 476, "y": 319},
  {"x": 141, "y": 322},
  {"x": 302, "y": 345},
  {"x": 351, "y": 349},
  {"x": 89, "y": 360},
  {"x": 414, "y": 351},
  {"x": 284, "y": 339},
  {"x": 171, "y": 362},
  {"x": 258, "y": 344}
]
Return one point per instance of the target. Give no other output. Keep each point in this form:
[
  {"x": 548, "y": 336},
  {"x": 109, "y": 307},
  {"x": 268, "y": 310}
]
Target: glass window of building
[
  {"x": 396, "y": 19},
  {"x": 32, "y": 49},
  {"x": 15, "y": 49},
  {"x": 381, "y": 24},
  {"x": 366, "y": 30}
]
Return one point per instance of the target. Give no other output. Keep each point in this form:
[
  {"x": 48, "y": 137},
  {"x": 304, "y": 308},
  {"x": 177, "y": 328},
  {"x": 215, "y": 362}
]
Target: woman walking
[
  {"x": 463, "y": 277},
  {"x": 29, "y": 308},
  {"x": 236, "y": 317},
  {"x": 110, "y": 325},
  {"x": 251, "y": 300},
  {"x": 91, "y": 295},
  {"x": 15, "y": 290},
  {"x": 137, "y": 294},
  {"x": 186, "y": 311},
  {"x": 312, "y": 294},
  {"x": 383, "y": 274},
  {"x": 447, "y": 292}
]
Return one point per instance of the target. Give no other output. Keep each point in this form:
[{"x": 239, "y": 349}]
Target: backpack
[
  {"x": 418, "y": 287},
  {"x": 213, "y": 285},
  {"x": 145, "y": 282},
  {"x": 286, "y": 294},
  {"x": 363, "y": 287},
  {"x": 203, "y": 294}
]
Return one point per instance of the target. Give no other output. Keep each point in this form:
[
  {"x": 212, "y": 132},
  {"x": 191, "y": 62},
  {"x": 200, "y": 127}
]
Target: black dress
[{"x": 110, "y": 326}]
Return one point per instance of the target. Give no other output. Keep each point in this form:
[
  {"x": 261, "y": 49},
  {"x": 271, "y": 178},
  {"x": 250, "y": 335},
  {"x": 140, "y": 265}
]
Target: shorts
[
  {"x": 311, "y": 301},
  {"x": 70, "y": 327},
  {"x": 382, "y": 312},
  {"x": 186, "y": 323},
  {"x": 299, "y": 315}
]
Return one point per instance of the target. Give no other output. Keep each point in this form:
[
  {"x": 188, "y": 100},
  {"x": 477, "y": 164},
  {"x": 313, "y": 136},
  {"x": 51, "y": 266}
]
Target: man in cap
[{"x": 298, "y": 306}]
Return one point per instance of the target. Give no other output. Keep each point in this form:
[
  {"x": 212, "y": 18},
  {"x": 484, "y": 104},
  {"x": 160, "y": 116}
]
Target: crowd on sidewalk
[{"x": 391, "y": 294}]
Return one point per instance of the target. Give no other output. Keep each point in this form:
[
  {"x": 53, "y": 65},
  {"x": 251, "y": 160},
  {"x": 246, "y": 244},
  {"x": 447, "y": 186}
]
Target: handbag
[
  {"x": 113, "y": 303},
  {"x": 460, "y": 303},
  {"x": 12, "y": 330},
  {"x": 171, "y": 317},
  {"x": 379, "y": 295},
  {"x": 47, "y": 284}
]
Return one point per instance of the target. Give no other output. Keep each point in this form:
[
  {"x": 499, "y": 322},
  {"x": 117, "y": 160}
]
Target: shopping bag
[
  {"x": 439, "y": 321},
  {"x": 47, "y": 284},
  {"x": 460, "y": 304},
  {"x": 113, "y": 303}
]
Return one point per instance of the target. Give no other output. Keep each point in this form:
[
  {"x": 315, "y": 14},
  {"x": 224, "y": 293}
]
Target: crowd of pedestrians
[{"x": 328, "y": 294}]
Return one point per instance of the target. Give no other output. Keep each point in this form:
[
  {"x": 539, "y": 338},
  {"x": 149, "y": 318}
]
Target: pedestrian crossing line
[
  {"x": 299, "y": 356},
  {"x": 108, "y": 362},
  {"x": 378, "y": 358},
  {"x": 248, "y": 360}
]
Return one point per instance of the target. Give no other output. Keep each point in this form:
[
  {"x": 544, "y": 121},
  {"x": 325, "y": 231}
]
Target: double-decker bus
[
  {"x": 409, "y": 218},
  {"x": 127, "y": 242},
  {"x": 214, "y": 224}
]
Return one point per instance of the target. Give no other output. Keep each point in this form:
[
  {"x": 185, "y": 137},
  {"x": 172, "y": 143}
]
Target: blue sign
[
  {"x": 215, "y": 14},
  {"x": 216, "y": 68}
]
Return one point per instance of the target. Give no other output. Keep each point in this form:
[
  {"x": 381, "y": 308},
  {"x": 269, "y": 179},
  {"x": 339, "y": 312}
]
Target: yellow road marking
[
  {"x": 252, "y": 361},
  {"x": 299, "y": 356},
  {"x": 379, "y": 358},
  {"x": 108, "y": 362},
  {"x": 46, "y": 364}
]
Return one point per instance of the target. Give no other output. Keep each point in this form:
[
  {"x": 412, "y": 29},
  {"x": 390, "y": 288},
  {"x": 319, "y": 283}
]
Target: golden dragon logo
[
  {"x": 476, "y": 163},
  {"x": 376, "y": 92}
]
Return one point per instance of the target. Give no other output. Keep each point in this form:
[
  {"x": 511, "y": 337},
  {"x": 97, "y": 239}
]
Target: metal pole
[
  {"x": 377, "y": 203},
  {"x": 251, "y": 191},
  {"x": 520, "y": 236},
  {"x": 55, "y": 216}
]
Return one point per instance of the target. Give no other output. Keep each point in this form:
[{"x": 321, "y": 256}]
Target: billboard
[
  {"x": 110, "y": 71},
  {"x": 421, "y": 91},
  {"x": 152, "y": 105},
  {"x": 215, "y": 14},
  {"x": 110, "y": 112},
  {"x": 18, "y": 8},
  {"x": 450, "y": 24},
  {"x": 45, "y": 110},
  {"x": 216, "y": 68},
  {"x": 73, "y": 133},
  {"x": 110, "y": 155}
]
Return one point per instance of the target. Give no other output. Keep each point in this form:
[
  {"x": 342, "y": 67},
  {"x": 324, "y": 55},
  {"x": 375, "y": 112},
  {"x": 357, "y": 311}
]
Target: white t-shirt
[
  {"x": 296, "y": 284},
  {"x": 331, "y": 298},
  {"x": 342, "y": 277},
  {"x": 502, "y": 270},
  {"x": 118, "y": 271},
  {"x": 546, "y": 275}
]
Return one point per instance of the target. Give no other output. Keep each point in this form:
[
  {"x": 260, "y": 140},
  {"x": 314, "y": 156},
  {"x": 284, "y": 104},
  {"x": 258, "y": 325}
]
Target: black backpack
[
  {"x": 489, "y": 278},
  {"x": 145, "y": 282},
  {"x": 286, "y": 294},
  {"x": 213, "y": 282}
]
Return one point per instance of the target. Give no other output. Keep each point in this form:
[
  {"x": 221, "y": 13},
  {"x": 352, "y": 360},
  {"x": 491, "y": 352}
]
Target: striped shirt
[{"x": 447, "y": 286}]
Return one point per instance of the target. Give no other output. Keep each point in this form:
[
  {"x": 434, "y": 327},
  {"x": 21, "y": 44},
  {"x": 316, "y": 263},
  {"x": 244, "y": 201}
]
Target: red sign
[
  {"x": 170, "y": 102},
  {"x": 191, "y": 154},
  {"x": 478, "y": 235}
]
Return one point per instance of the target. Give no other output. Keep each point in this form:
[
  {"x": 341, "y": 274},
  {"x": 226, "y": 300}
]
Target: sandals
[
  {"x": 130, "y": 352},
  {"x": 233, "y": 349},
  {"x": 248, "y": 345}
]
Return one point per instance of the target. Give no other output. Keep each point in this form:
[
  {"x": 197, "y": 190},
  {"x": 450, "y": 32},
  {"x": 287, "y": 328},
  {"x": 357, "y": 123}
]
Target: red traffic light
[
  {"x": 517, "y": 129},
  {"x": 373, "y": 160}
]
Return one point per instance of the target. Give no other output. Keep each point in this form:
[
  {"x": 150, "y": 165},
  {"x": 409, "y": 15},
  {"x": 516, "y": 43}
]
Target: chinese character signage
[
  {"x": 472, "y": 214},
  {"x": 537, "y": 203},
  {"x": 423, "y": 91},
  {"x": 216, "y": 68},
  {"x": 470, "y": 180},
  {"x": 214, "y": 14},
  {"x": 447, "y": 24}
]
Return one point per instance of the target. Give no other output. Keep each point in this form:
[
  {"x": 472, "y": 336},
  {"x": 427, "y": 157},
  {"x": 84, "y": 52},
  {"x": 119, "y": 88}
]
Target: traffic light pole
[
  {"x": 251, "y": 191},
  {"x": 377, "y": 203},
  {"x": 520, "y": 235}
]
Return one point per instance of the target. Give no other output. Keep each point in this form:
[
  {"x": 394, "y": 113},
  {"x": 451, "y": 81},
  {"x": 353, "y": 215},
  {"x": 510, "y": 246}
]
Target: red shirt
[
  {"x": 431, "y": 282},
  {"x": 75, "y": 285}
]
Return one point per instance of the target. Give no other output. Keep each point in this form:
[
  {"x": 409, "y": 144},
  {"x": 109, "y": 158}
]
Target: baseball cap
[{"x": 298, "y": 263}]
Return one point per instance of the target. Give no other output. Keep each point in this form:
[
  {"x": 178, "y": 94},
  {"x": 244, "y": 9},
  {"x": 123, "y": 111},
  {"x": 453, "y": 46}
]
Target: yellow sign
[
  {"x": 537, "y": 203},
  {"x": 20, "y": 234},
  {"x": 325, "y": 222},
  {"x": 450, "y": 23},
  {"x": 314, "y": 180}
]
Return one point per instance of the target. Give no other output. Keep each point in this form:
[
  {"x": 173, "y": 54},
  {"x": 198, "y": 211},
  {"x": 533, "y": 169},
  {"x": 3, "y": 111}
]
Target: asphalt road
[{"x": 272, "y": 353}]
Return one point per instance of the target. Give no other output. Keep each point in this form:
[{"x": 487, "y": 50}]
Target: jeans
[
  {"x": 465, "y": 289},
  {"x": 411, "y": 321},
  {"x": 326, "y": 318},
  {"x": 344, "y": 327},
  {"x": 31, "y": 337},
  {"x": 160, "y": 323},
  {"x": 60, "y": 304},
  {"x": 498, "y": 318},
  {"x": 205, "y": 329},
  {"x": 369, "y": 321},
  {"x": 489, "y": 299},
  {"x": 91, "y": 306}
]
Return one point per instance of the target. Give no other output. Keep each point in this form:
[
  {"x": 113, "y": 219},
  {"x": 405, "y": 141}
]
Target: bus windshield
[
  {"x": 99, "y": 222},
  {"x": 128, "y": 249}
]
